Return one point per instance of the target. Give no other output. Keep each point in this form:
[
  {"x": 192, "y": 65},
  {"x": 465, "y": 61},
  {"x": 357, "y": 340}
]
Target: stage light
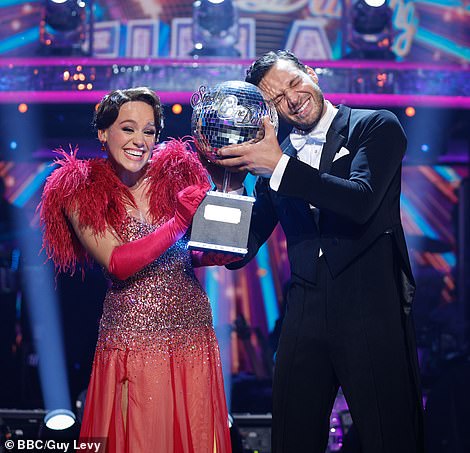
[
  {"x": 62, "y": 29},
  {"x": 410, "y": 111},
  {"x": 368, "y": 20},
  {"x": 59, "y": 425},
  {"x": 176, "y": 109},
  {"x": 22, "y": 108},
  {"x": 15, "y": 25},
  {"x": 369, "y": 30},
  {"x": 80, "y": 405},
  {"x": 59, "y": 419},
  {"x": 215, "y": 28},
  {"x": 375, "y": 2}
]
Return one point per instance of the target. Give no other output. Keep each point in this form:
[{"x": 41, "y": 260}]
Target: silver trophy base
[{"x": 222, "y": 223}]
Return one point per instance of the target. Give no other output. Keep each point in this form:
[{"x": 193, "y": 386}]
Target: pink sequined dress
[
  {"x": 156, "y": 384},
  {"x": 156, "y": 333}
]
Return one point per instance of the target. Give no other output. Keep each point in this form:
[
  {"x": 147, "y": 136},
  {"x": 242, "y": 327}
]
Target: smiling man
[{"x": 334, "y": 185}]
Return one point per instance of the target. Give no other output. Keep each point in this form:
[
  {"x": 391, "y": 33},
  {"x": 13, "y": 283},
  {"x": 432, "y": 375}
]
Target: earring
[{"x": 103, "y": 146}]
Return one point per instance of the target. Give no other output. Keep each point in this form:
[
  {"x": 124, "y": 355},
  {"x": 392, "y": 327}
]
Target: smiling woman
[
  {"x": 130, "y": 141},
  {"x": 157, "y": 359}
]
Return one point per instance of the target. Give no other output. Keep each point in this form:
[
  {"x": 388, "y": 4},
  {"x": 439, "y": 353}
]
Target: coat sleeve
[
  {"x": 263, "y": 221},
  {"x": 380, "y": 149}
]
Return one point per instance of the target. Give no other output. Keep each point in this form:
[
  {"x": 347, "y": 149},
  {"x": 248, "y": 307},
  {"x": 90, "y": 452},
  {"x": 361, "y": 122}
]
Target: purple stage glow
[
  {"x": 357, "y": 83},
  {"x": 167, "y": 97}
]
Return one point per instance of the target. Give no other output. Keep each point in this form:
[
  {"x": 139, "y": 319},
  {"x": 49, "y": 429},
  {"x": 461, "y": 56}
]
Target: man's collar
[{"x": 299, "y": 138}]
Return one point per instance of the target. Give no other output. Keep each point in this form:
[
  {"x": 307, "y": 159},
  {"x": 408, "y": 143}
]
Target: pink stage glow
[{"x": 170, "y": 97}]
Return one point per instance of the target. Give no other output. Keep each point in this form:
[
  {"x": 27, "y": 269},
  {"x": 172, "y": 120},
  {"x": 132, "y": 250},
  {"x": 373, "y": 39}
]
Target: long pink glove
[
  {"x": 200, "y": 259},
  {"x": 129, "y": 258}
]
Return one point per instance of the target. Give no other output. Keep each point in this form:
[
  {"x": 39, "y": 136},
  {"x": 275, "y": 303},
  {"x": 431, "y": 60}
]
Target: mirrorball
[{"x": 229, "y": 113}]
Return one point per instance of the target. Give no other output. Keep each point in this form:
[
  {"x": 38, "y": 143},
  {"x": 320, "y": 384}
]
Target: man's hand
[
  {"x": 216, "y": 172},
  {"x": 259, "y": 157}
]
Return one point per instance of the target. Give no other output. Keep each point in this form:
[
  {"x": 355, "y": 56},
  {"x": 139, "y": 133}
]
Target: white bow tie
[{"x": 298, "y": 139}]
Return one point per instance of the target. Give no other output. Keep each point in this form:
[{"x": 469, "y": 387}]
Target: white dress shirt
[{"x": 309, "y": 145}]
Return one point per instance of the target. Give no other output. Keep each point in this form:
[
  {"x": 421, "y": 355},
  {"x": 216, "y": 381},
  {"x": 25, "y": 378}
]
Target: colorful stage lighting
[
  {"x": 62, "y": 28},
  {"x": 215, "y": 28},
  {"x": 369, "y": 31},
  {"x": 59, "y": 419},
  {"x": 176, "y": 109}
]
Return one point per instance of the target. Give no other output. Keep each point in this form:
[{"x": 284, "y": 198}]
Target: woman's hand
[{"x": 187, "y": 202}]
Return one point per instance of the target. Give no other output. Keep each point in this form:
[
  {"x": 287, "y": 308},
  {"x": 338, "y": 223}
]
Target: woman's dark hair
[
  {"x": 263, "y": 64},
  {"x": 108, "y": 109}
]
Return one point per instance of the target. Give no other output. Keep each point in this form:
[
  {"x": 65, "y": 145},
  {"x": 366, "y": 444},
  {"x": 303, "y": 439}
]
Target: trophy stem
[{"x": 226, "y": 182}]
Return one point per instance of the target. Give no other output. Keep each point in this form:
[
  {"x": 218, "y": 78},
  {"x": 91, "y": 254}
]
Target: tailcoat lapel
[
  {"x": 336, "y": 137},
  {"x": 288, "y": 148}
]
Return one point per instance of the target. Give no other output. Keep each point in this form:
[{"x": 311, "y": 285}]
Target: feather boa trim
[
  {"x": 92, "y": 190},
  {"x": 174, "y": 167}
]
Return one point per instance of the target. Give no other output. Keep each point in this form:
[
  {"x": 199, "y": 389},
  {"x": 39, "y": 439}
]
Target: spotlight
[
  {"x": 369, "y": 19},
  {"x": 59, "y": 424},
  {"x": 370, "y": 33},
  {"x": 62, "y": 28},
  {"x": 215, "y": 28},
  {"x": 59, "y": 419},
  {"x": 375, "y": 2}
]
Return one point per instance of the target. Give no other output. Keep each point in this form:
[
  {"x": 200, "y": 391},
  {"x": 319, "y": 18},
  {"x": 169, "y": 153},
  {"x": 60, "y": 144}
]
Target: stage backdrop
[{"x": 423, "y": 30}]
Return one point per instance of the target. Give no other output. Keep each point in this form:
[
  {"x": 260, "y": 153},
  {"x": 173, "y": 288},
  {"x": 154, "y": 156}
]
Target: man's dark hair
[{"x": 263, "y": 64}]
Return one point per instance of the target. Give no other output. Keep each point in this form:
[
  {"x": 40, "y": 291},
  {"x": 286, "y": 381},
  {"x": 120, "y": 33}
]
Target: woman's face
[{"x": 131, "y": 138}]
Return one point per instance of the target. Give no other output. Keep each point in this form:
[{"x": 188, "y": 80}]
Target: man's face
[{"x": 295, "y": 94}]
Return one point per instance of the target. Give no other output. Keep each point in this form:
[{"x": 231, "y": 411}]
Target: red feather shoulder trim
[
  {"x": 89, "y": 188},
  {"x": 174, "y": 166}
]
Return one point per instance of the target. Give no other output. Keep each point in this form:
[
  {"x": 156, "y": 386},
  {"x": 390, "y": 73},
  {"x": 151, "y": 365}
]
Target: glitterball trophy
[{"x": 229, "y": 113}]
